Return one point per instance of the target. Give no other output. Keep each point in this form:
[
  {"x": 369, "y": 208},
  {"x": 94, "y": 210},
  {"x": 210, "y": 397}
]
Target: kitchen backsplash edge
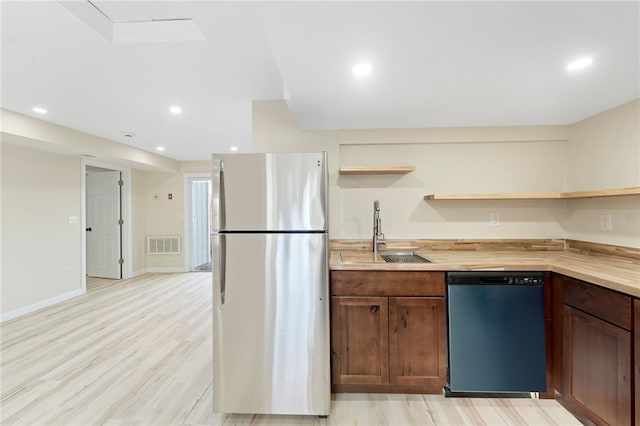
[
  {"x": 550, "y": 245},
  {"x": 604, "y": 250},
  {"x": 453, "y": 244}
]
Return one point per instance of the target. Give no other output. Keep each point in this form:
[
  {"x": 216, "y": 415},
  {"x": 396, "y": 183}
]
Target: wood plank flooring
[{"x": 138, "y": 352}]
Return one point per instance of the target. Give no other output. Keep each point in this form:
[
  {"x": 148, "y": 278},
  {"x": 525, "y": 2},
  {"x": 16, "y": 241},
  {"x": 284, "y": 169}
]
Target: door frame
[
  {"x": 187, "y": 216},
  {"x": 125, "y": 204}
]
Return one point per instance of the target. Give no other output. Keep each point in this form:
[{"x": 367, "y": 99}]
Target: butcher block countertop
[{"x": 612, "y": 272}]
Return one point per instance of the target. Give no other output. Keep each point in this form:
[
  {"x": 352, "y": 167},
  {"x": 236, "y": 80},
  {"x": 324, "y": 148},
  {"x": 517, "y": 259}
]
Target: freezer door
[
  {"x": 271, "y": 324},
  {"x": 269, "y": 192}
]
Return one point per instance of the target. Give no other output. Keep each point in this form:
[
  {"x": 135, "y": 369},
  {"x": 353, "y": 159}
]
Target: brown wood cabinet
[
  {"x": 636, "y": 367},
  {"x": 557, "y": 305},
  {"x": 360, "y": 340},
  {"x": 596, "y": 353},
  {"x": 417, "y": 341},
  {"x": 388, "y": 331}
]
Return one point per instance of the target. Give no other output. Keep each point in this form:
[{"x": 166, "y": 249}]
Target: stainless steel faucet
[{"x": 378, "y": 236}]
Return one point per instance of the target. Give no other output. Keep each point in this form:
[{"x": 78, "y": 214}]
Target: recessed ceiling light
[
  {"x": 159, "y": 148},
  {"x": 362, "y": 69},
  {"x": 579, "y": 64},
  {"x": 39, "y": 110},
  {"x": 234, "y": 148},
  {"x": 175, "y": 110}
]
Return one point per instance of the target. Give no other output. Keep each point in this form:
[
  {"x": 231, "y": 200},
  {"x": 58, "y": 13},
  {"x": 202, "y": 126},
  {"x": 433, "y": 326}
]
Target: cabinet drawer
[
  {"x": 387, "y": 283},
  {"x": 605, "y": 304}
]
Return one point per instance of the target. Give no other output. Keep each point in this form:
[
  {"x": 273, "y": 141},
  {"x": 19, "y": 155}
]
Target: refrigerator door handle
[
  {"x": 219, "y": 267},
  {"x": 217, "y": 196},
  {"x": 223, "y": 267}
]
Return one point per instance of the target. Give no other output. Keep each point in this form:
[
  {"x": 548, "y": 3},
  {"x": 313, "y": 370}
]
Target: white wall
[
  {"x": 604, "y": 152},
  {"x": 41, "y": 250}
]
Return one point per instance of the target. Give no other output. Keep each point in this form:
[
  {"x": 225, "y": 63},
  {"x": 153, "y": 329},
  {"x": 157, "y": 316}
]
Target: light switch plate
[{"x": 606, "y": 222}]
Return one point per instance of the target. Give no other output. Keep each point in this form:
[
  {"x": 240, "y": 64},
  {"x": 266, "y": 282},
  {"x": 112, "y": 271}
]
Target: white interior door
[
  {"x": 200, "y": 241},
  {"x": 103, "y": 224}
]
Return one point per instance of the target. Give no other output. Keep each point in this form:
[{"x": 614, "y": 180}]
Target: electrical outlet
[
  {"x": 606, "y": 223},
  {"x": 494, "y": 219}
]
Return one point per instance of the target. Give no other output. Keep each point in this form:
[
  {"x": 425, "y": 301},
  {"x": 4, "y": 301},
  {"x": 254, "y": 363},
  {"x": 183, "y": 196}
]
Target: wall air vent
[{"x": 163, "y": 244}]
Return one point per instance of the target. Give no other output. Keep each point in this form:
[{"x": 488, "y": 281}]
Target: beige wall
[
  {"x": 195, "y": 167},
  {"x": 597, "y": 153},
  {"x": 604, "y": 152},
  {"x": 583, "y": 220},
  {"x": 600, "y": 152},
  {"x": 167, "y": 217},
  {"x": 164, "y": 216},
  {"x": 41, "y": 250},
  {"x": 38, "y": 134},
  {"x": 446, "y": 160},
  {"x": 139, "y": 218},
  {"x": 473, "y": 167},
  {"x": 275, "y": 131}
]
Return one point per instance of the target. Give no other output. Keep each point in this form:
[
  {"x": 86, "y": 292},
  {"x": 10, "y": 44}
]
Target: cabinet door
[
  {"x": 417, "y": 341},
  {"x": 360, "y": 340},
  {"x": 636, "y": 366},
  {"x": 557, "y": 307},
  {"x": 597, "y": 368}
]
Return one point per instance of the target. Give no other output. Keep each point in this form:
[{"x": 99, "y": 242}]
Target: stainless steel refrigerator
[{"x": 270, "y": 284}]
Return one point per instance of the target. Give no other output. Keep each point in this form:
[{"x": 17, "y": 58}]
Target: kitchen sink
[{"x": 403, "y": 257}]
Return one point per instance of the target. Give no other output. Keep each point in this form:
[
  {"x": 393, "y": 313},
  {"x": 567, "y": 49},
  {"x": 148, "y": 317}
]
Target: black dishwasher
[{"x": 496, "y": 337}]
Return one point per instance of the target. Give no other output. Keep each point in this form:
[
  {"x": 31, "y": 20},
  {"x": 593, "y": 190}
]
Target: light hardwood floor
[{"x": 138, "y": 352}]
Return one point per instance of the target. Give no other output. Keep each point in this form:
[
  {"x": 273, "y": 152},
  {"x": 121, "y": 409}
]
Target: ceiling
[{"x": 435, "y": 64}]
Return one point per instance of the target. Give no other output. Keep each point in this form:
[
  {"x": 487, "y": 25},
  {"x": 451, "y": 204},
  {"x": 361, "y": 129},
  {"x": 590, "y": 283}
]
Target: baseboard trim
[{"x": 41, "y": 305}]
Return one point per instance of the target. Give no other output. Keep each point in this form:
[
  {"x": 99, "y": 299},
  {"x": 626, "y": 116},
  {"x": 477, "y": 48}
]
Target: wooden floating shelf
[
  {"x": 616, "y": 192},
  {"x": 376, "y": 170},
  {"x": 550, "y": 196}
]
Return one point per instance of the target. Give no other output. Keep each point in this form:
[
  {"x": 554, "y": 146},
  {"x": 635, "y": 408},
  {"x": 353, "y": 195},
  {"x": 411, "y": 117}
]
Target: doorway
[
  {"x": 199, "y": 213},
  {"x": 103, "y": 226},
  {"x": 125, "y": 243}
]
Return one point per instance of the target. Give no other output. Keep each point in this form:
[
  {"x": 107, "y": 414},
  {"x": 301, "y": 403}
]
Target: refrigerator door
[
  {"x": 269, "y": 192},
  {"x": 271, "y": 324}
]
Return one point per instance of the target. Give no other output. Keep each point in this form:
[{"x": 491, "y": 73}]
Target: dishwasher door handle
[{"x": 495, "y": 280}]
